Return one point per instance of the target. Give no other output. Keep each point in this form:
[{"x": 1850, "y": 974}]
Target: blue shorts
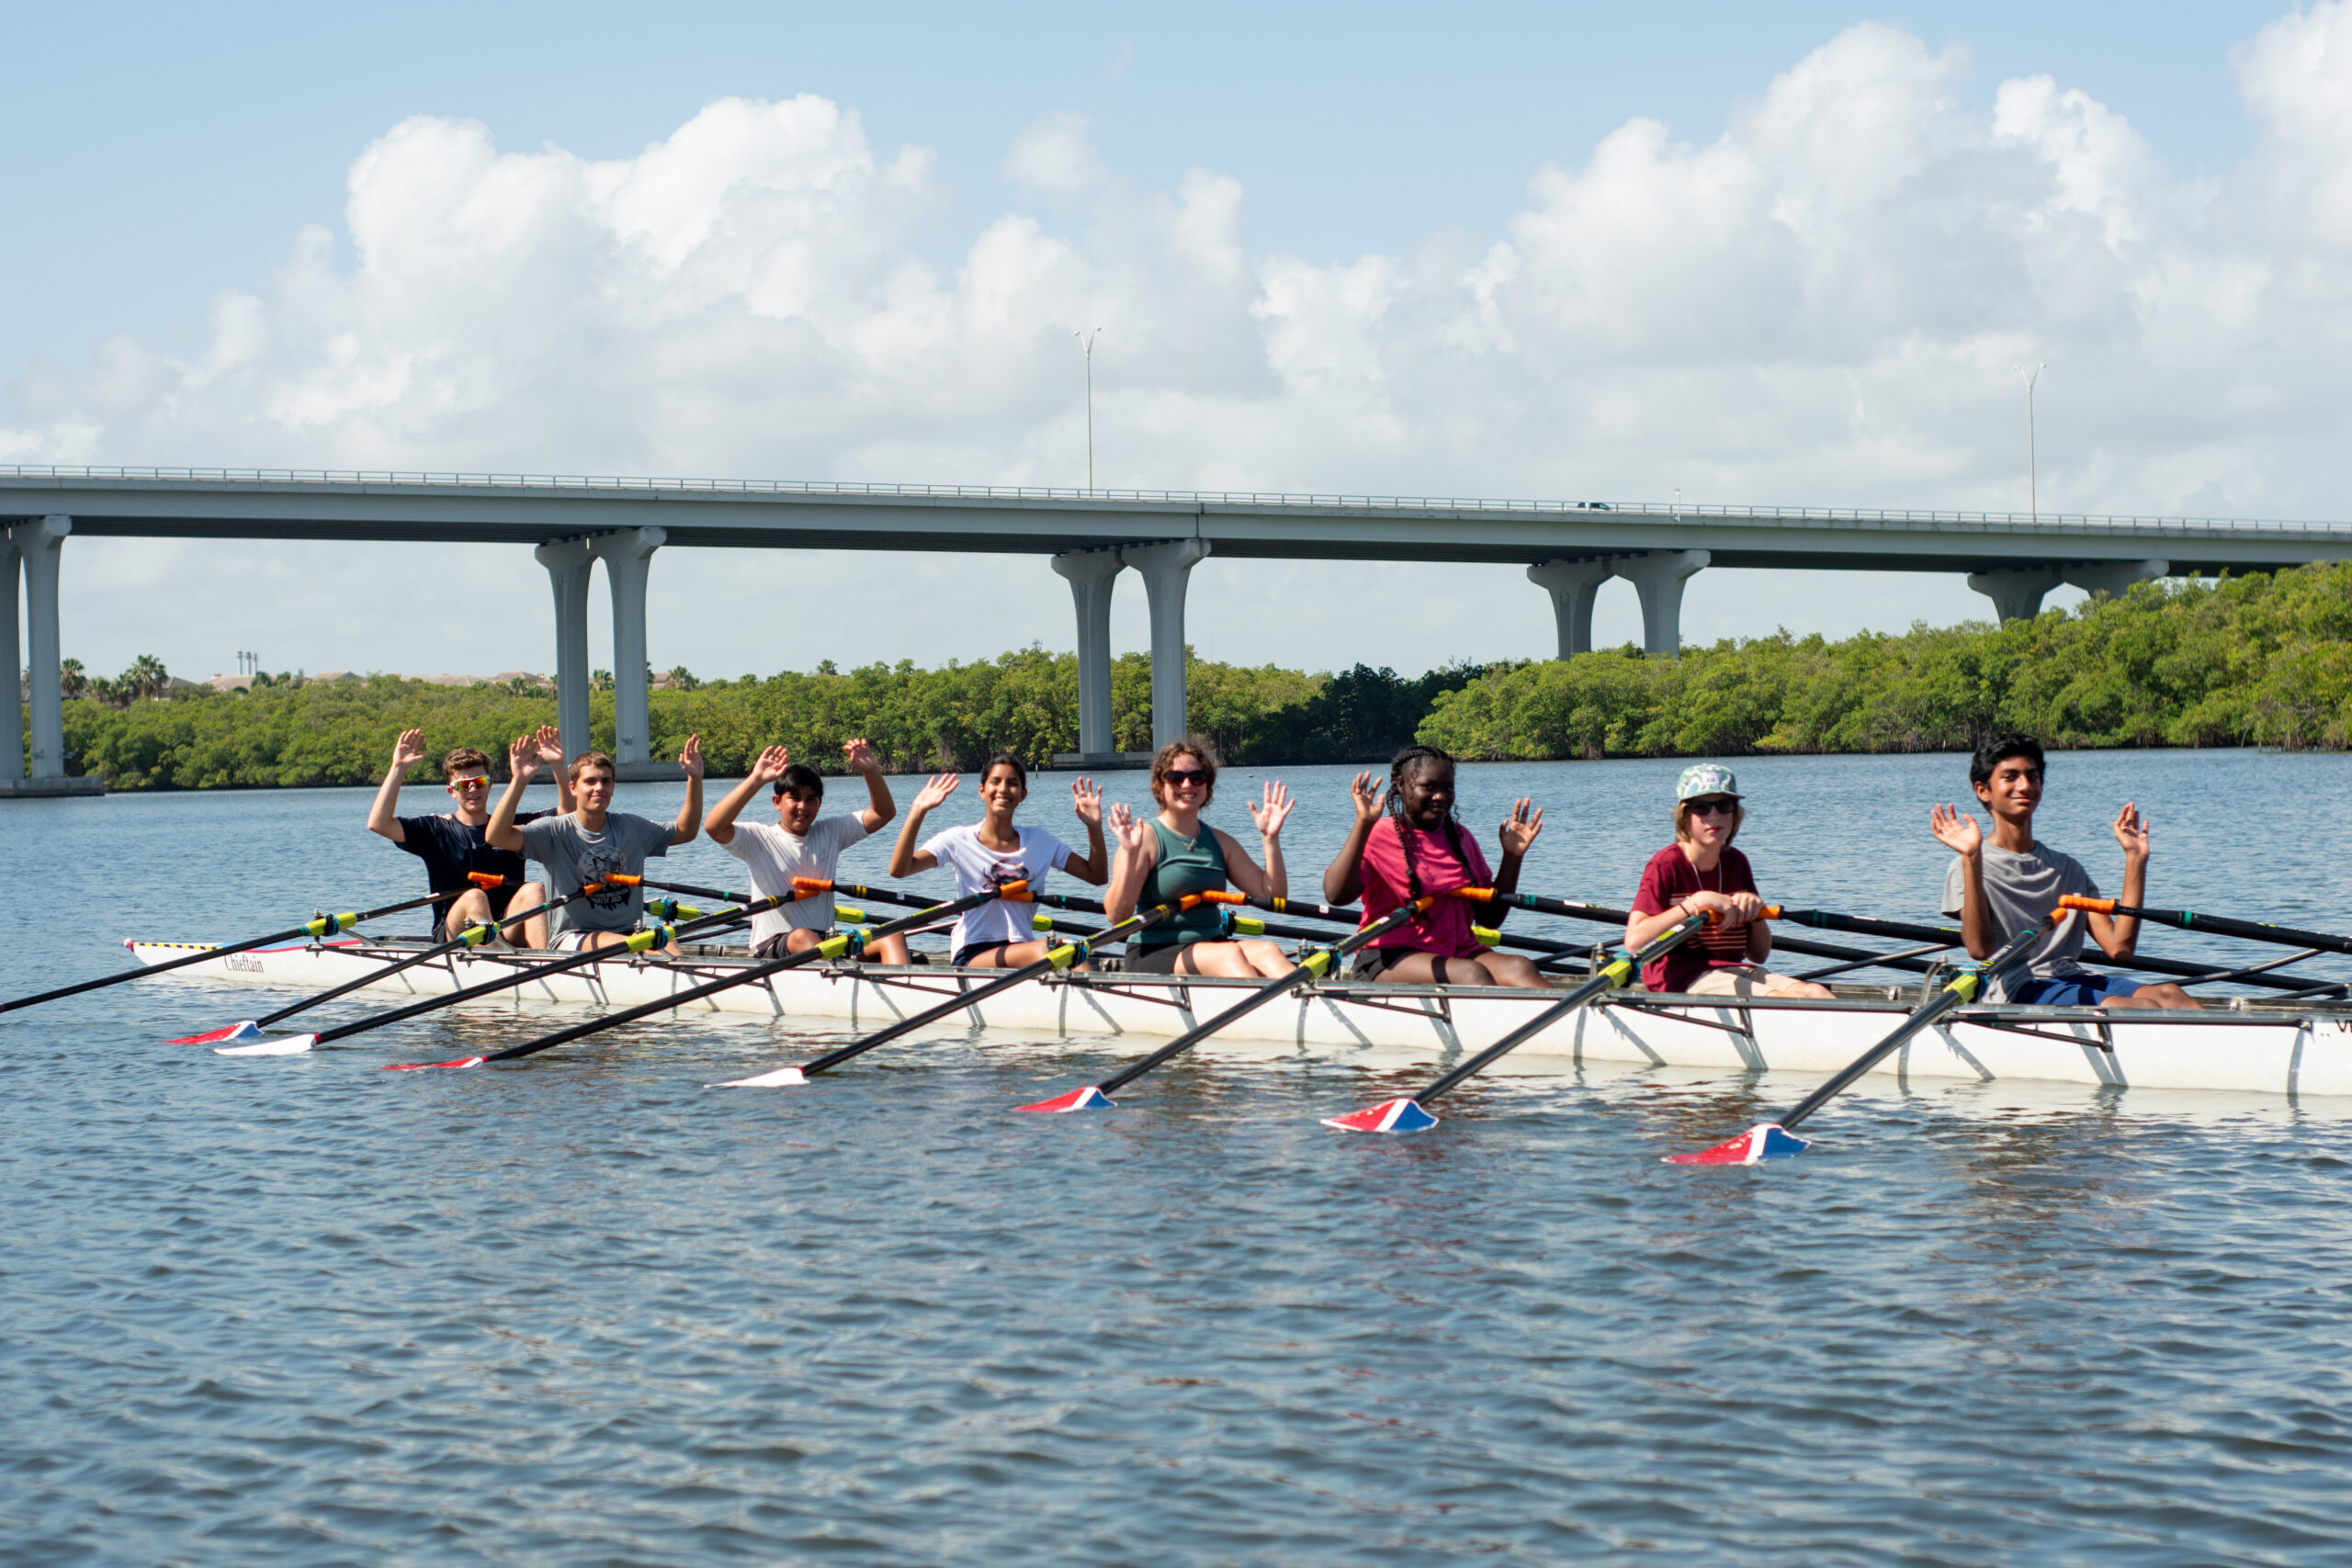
[{"x": 2071, "y": 991}]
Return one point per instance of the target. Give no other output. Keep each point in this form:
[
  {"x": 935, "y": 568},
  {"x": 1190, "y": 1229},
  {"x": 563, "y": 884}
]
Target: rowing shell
[{"x": 2253, "y": 1048}]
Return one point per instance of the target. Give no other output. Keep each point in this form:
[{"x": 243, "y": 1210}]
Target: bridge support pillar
[
  {"x": 2115, "y": 578},
  {"x": 12, "y": 729},
  {"x": 569, "y": 562},
  {"x": 39, "y": 545},
  {"x": 1658, "y": 576},
  {"x": 627, "y": 556},
  {"x": 1092, "y": 574},
  {"x": 1166, "y": 570},
  {"x": 2017, "y": 593},
  {"x": 1574, "y": 584}
]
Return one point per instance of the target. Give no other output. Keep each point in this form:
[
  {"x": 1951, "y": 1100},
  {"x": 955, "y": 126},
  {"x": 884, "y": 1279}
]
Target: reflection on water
[{"x": 585, "y": 1310}]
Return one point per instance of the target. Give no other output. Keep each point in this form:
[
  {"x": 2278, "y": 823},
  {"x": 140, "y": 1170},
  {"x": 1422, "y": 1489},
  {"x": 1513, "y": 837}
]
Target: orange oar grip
[
  {"x": 485, "y": 879},
  {"x": 811, "y": 885},
  {"x": 1016, "y": 893},
  {"x": 1771, "y": 911},
  {"x": 621, "y": 879},
  {"x": 1476, "y": 894},
  {"x": 1216, "y": 895},
  {"x": 2095, "y": 906}
]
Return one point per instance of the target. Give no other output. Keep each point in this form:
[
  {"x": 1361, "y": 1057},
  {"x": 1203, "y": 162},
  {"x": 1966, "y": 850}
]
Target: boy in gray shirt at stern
[{"x": 2011, "y": 883}]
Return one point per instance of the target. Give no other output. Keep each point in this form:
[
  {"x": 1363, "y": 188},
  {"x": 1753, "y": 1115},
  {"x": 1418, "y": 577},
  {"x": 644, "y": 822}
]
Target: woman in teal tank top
[{"x": 1159, "y": 859}]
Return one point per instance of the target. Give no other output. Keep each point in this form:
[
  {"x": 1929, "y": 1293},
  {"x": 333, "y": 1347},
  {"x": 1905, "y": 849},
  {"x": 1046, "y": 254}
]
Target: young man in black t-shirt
[{"x": 452, "y": 843}]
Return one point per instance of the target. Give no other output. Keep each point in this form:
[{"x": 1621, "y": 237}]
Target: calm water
[{"x": 587, "y": 1311}]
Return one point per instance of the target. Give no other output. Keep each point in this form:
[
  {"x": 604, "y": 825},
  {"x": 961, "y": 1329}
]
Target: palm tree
[
  {"x": 71, "y": 681},
  {"x": 147, "y": 677}
]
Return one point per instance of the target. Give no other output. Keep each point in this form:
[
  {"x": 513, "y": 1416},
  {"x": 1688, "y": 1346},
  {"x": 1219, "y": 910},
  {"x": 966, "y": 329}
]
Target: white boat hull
[{"x": 2260, "y": 1050}]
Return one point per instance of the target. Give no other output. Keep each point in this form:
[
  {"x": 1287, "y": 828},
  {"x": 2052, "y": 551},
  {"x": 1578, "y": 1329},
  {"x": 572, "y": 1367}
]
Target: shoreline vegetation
[{"x": 2262, "y": 660}]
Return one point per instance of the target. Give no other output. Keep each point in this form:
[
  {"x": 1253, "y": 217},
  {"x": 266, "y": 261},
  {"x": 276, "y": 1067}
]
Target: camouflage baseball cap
[{"x": 1706, "y": 778}]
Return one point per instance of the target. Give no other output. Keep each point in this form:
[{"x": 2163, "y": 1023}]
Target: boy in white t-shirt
[{"x": 800, "y": 844}]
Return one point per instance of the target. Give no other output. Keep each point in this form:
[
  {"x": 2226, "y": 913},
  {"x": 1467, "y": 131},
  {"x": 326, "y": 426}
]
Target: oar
[
  {"x": 1942, "y": 936},
  {"x": 2191, "y": 920},
  {"x": 1410, "y": 1115},
  {"x": 1778, "y": 1140},
  {"x": 1313, "y": 966},
  {"x": 1057, "y": 959},
  {"x": 472, "y": 936},
  {"x": 323, "y": 925},
  {"x": 523, "y": 973},
  {"x": 832, "y": 947}
]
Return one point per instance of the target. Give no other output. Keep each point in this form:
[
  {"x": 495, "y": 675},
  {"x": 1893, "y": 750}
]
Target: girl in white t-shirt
[{"x": 992, "y": 850}]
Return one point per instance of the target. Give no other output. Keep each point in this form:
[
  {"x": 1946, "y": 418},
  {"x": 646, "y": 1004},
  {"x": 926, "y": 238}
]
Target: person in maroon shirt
[{"x": 1700, "y": 871}]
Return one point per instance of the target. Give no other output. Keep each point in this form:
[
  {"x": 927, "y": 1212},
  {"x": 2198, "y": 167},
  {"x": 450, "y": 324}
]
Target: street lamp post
[
  {"x": 1087, "y": 339},
  {"x": 2032, "y": 483}
]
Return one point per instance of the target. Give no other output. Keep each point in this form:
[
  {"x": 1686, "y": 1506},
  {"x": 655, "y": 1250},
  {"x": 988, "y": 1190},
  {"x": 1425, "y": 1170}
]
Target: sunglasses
[
  {"x": 1713, "y": 807},
  {"x": 469, "y": 783},
  {"x": 1186, "y": 777}
]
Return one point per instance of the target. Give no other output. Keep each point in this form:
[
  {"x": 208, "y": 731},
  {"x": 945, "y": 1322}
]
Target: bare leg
[
  {"x": 2165, "y": 995},
  {"x": 467, "y": 909},
  {"x": 531, "y": 932}
]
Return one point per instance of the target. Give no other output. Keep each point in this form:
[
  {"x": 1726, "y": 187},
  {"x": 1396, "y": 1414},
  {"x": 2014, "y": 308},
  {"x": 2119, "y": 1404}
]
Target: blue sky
[{"x": 159, "y": 158}]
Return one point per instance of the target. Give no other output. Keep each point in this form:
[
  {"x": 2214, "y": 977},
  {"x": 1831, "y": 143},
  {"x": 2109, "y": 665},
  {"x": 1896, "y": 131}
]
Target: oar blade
[
  {"x": 1087, "y": 1099},
  {"x": 1766, "y": 1140},
  {"x": 781, "y": 1078},
  {"x": 427, "y": 1067},
  {"x": 1404, "y": 1115},
  {"x": 283, "y": 1045},
  {"x": 245, "y": 1030}
]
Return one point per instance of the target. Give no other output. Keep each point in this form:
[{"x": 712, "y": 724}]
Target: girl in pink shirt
[{"x": 1417, "y": 847}]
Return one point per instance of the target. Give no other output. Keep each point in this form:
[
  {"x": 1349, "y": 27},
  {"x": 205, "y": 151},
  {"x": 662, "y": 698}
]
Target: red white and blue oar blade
[
  {"x": 246, "y": 1029},
  {"x": 1766, "y": 1140},
  {"x": 1404, "y": 1115},
  {"x": 282, "y": 1046},
  {"x": 781, "y": 1078},
  {"x": 428, "y": 1067},
  {"x": 1087, "y": 1099}
]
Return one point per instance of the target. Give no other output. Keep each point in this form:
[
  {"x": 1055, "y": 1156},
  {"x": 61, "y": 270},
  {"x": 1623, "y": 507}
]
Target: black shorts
[
  {"x": 1371, "y": 963},
  {"x": 1159, "y": 959},
  {"x": 772, "y": 948},
  {"x": 966, "y": 954}
]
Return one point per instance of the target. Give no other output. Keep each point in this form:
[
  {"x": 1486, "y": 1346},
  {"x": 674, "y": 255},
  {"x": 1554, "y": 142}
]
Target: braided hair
[{"x": 1405, "y": 764}]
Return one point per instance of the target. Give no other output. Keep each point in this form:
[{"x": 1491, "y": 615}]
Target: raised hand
[
  {"x": 1273, "y": 812},
  {"x": 1365, "y": 794},
  {"x": 1086, "y": 799},
  {"x": 771, "y": 765},
  {"x": 1520, "y": 827},
  {"x": 690, "y": 757},
  {"x": 940, "y": 786},
  {"x": 1956, "y": 831},
  {"x": 523, "y": 756},
  {"x": 409, "y": 749},
  {"x": 859, "y": 755},
  {"x": 550, "y": 741},
  {"x": 1133, "y": 832},
  {"x": 2132, "y": 832}
]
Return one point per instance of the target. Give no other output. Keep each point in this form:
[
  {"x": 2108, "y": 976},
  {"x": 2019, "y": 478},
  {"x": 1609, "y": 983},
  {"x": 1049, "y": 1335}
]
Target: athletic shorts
[
  {"x": 774, "y": 947},
  {"x": 1159, "y": 959},
  {"x": 1371, "y": 963},
  {"x": 2070, "y": 990},
  {"x": 966, "y": 954},
  {"x": 572, "y": 940}
]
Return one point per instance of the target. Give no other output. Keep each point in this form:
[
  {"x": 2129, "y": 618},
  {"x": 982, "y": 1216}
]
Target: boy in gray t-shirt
[
  {"x": 593, "y": 842},
  {"x": 2012, "y": 883}
]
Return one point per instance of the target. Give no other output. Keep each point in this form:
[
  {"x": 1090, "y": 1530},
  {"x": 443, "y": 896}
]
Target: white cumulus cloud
[{"x": 1821, "y": 305}]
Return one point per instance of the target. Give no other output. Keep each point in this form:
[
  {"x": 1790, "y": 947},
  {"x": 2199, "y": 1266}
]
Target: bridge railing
[{"x": 1256, "y": 500}]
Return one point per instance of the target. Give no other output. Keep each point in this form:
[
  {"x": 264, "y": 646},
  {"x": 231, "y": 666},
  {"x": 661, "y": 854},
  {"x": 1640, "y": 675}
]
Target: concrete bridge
[{"x": 1568, "y": 549}]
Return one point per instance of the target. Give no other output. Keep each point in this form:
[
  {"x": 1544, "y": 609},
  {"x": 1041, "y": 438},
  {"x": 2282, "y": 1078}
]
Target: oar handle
[{"x": 1554, "y": 906}]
